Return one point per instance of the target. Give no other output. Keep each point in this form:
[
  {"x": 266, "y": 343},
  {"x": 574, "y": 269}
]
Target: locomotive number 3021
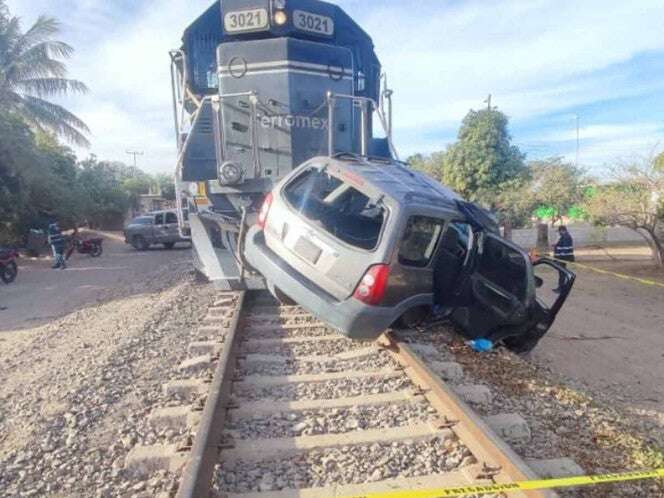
[
  {"x": 245, "y": 20},
  {"x": 313, "y": 23}
]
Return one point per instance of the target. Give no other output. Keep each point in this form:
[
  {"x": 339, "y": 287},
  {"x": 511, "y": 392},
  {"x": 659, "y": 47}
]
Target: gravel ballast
[
  {"x": 333, "y": 421},
  {"x": 377, "y": 361},
  {"x": 565, "y": 418},
  {"x": 308, "y": 348},
  {"x": 347, "y": 465},
  {"x": 344, "y": 388},
  {"x": 78, "y": 392},
  {"x": 278, "y": 332}
]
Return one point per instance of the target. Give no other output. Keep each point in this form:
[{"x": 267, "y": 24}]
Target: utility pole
[
  {"x": 135, "y": 153},
  {"x": 578, "y": 141},
  {"x": 488, "y": 101}
]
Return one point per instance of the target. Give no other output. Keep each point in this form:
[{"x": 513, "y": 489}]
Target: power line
[{"x": 135, "y": 153}]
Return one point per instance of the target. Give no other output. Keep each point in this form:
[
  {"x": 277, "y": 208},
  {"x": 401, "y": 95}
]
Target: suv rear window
[{"x": 337, "y": 207}]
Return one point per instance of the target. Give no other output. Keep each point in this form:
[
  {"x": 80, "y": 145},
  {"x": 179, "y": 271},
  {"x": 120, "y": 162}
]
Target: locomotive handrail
[
  {"x": 331, "y": 97},
  {"x": 253, "y": 100}
]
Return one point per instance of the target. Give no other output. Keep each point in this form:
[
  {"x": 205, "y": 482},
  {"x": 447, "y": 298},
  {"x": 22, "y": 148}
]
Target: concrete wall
[{"x": 583, "y": 235}]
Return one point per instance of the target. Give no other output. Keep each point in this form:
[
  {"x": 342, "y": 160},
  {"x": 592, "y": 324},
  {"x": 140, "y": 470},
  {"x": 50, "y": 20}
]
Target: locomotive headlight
[
  {"x": 280, "y": 17},
  {"x": 229, "y": 173}
]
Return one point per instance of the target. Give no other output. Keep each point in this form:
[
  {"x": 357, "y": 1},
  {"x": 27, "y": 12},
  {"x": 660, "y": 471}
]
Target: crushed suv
[{"x": 365, "y": 244}]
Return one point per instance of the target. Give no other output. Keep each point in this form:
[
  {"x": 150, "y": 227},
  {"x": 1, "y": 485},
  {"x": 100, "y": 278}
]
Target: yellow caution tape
[
  {"x": 561, "y": 482},
  {"x": 643, "y": 281}
]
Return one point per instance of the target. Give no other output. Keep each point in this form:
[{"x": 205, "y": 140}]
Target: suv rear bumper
[{"x": 350, "y": 317}]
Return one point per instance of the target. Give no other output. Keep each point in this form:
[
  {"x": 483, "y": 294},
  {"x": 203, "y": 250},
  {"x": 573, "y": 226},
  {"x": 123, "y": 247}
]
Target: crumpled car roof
[{"x": 398, "y": 181}]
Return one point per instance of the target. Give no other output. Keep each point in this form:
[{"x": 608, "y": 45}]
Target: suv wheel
[
  {"x": 413, "y": 318},
  {"x": 277, "y": 293},
  {"x": 139, "y": 243}
]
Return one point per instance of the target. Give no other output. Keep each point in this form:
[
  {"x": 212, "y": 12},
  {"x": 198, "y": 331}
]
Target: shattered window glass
[
  {"x": 337, "y": 207},
  {"x": 419, "y": 240}
]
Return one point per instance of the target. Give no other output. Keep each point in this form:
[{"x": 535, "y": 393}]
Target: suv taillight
[
  {"x": 265, "y": 209},
  {"x": 371, "y": 288}
]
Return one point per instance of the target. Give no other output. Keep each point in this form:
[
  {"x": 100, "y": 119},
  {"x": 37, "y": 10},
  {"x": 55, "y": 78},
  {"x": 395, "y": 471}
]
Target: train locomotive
[{"x": 259, "y": 87}]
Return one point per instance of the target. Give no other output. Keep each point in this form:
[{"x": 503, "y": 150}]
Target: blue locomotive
[{"x": 259, "y": 87}]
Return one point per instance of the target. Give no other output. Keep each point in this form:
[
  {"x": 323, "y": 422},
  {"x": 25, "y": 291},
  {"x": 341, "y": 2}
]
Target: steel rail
[
  {"x": 197, "y": 474},
  {"x": 496, "y": 461},
  {"x": 501, "y": 463}
]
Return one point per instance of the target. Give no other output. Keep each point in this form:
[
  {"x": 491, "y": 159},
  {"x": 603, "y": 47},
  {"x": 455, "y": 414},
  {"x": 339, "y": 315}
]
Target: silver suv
[
  {"x": 365, "y": 244},
  {"x": 157, "y": 227}
]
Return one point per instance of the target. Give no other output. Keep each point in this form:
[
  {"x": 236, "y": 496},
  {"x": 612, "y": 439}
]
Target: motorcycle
[
  {"x": 8, "y": 267},
  {"x": 93, "y": 247}
]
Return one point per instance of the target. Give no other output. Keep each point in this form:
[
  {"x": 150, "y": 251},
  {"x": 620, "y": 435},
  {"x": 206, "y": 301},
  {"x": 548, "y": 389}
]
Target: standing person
[
  {"x": 563, "y": 251},
  {"x": 57, "y": 241}
]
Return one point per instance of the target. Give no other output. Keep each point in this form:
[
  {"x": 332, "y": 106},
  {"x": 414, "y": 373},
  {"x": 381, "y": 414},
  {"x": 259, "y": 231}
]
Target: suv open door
[
  {"x": 498, "y": 299},
  {"x": 545, "y": 308}
]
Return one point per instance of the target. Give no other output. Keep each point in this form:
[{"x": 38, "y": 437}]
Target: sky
[{"x": 545, "y": 63}]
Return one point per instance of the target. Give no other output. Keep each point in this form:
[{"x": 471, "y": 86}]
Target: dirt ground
[
  {"x": 591, "y": 391},
  {"x": 610, "y": 334},
  {"x": 40, "y": 294},
  {"x": 83, "y": 355}
]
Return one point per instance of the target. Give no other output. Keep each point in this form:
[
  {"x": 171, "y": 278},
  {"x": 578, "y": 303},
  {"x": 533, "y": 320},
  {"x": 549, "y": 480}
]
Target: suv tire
[
  {"x": 278, "y": 294},
  {"x": 139, "y": 243},
  {"x": 412, "y": 318}
]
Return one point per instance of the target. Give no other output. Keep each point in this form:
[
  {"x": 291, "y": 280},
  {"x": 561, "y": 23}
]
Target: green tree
[
  {"x": 635, "y": 199},
  {"x": 166, "y": 185},
  {"x": 52, "y": 184},
  {"x": 31, "y": 70},
  {"x": 658, "y": 163},
  {"x": 557, "y": 187},
  {"x": 17, "y": 153},
  {"x": 108, "y": 201},
  {"x": 136, "y": 186},
  {"x": 432, "y": 165},
  {"x": 482, "y": 162},
  {"x": 38, "y": 181},
  {"x": 514, "y": 204}
]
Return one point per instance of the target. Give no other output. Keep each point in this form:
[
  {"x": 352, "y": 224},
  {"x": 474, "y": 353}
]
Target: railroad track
[{"x": 296, "y": 410}]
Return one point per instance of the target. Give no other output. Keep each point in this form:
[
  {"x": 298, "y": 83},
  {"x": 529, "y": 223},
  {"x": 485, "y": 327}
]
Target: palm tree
[{"x": 31, "y": 70}]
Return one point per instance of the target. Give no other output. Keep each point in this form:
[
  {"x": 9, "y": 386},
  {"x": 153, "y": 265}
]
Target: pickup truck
[{"x": 157, "y": 227}]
